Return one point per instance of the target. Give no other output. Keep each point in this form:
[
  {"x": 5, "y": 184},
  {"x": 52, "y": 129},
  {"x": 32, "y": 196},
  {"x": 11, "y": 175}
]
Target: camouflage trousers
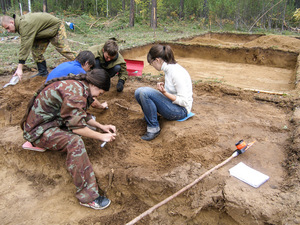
[
  {"x": 78, "y": 163},
  {"x": 59, "y": 41}
]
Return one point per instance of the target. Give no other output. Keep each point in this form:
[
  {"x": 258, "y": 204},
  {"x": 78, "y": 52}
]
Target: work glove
[{"x": 120, "y": 85}]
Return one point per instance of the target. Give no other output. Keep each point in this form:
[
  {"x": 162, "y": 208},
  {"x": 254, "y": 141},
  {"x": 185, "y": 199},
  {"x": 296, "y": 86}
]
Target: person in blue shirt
[{"x": 83, "y": 63}]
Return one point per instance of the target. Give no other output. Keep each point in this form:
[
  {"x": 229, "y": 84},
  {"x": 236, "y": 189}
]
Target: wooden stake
[{"x": 186, "y": 187}]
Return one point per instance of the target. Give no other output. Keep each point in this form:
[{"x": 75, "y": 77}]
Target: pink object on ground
[
  {"x": 134, "y": 67},
  {"x": 27, "y": 145}
]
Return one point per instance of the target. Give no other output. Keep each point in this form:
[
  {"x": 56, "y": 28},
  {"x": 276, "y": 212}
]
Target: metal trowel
[{"x": 13, "y": 81}]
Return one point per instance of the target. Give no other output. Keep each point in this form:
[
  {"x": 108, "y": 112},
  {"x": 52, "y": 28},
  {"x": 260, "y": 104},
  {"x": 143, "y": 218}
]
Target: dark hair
[
  {"x": 111, "y": 47},
  {"x": 97, "y": 77},
  {"x": 161, "y": 51},
  {"x": 86, "y": 56}
]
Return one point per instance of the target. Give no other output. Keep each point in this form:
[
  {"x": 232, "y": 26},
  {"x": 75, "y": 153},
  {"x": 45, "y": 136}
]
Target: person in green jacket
[
  {"x": 36, "y": 31},
  {"x": 107, "y": 57}
]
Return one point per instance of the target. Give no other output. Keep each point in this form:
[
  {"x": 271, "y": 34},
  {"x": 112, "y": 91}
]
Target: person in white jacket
[{"x": 172, "y": 99}]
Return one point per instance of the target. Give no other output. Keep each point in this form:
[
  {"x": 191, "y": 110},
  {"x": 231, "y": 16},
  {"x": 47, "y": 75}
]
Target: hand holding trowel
[{"x": 13, "y": 81}]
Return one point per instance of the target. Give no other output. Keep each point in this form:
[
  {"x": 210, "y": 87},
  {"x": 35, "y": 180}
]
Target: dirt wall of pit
[
  {"x": 256, "y": 68},
  {"x": 297, "y": 73},
  {"x": 257, "y": 56},
  {"x": 224, "y": 36}
]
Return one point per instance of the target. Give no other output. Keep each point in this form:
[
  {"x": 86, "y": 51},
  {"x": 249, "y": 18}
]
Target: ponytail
[{"x": 161, "y": 51}]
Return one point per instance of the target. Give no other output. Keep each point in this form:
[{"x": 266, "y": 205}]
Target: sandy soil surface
[{"x": 37, "y": 189}]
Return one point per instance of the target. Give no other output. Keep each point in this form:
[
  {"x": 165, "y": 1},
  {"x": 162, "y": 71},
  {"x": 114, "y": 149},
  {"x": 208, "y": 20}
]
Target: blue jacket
[{"x": 64, "y": 69}]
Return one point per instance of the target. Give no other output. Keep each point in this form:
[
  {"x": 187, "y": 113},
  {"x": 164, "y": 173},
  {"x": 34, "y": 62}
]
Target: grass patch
[{"x": 91, "y": 31}]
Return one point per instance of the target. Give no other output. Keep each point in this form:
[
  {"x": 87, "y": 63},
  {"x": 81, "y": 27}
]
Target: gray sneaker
[{"x": 99, "y": 203}]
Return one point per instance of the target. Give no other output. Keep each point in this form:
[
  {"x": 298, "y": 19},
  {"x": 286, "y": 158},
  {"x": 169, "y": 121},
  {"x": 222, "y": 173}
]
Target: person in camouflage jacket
[
  {"x": 56, "y": 118},
  {"x": 107, "y": 57},
  {"x": 37, "y": 30}
]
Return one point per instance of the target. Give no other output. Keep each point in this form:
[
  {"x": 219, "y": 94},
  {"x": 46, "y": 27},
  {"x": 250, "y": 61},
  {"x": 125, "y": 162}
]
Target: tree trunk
[
  {"x": 263, "y": 19},
  {"x": 29, "y": 5},
  {"x": 106, "y": 8},
  {"x": 181, "y": 13},
  {"x": 283, "y": 16},
  {"x": 270, "y": 17},
  {"x": 131, "y": 17},
  {"x": 205, "y": 10},
  {"x": 3, "y": 6},
  {"x": 123, "y": 5},
  {"x": 153, "y": 20},
  {"x": 21, "y": 10},
  {"x": 7, "y": 5},
  {"x": 269, "y": 23},
  {"x": 237, "y": 15},
  {"x": 82, "y": 5},
  {"x": 96, "y": 7},
  {"x": 44, "y": 5}
]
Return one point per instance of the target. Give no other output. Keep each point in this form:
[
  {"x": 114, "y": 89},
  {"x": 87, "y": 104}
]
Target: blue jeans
[
  {"x": 113, "y": 71},
  {"x": 152, "y": 102}
]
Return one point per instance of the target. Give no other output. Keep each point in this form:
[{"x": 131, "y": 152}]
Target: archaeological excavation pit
[
  {"x": 136, "y": 175},
  {"x": 238, "y": 60}
]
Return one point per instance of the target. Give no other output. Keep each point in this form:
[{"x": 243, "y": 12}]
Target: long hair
[
  {"x": 97, "y": 77},
  {"x": 161, "y": 51}
]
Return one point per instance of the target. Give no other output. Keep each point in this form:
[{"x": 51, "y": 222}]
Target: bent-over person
[
  {"x": 56, "y": 118},
  {"x": 36, "y": 31}
]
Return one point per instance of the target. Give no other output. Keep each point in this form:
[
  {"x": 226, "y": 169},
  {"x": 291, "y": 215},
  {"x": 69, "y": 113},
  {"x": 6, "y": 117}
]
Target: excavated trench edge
[{"x": 292, "y": 57}]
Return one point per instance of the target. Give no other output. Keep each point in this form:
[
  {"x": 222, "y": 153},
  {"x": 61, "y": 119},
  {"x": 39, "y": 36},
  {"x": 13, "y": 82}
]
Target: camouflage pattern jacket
[
  {"x": 33, "y": 26},
  {"x": 60, "y": 104},
  {"x": 97, "y": 51}
]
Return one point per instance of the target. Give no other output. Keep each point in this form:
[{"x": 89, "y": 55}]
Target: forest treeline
[{"x": 240, "y": 14}]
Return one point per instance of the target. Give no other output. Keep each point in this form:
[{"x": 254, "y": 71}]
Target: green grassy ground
[{"x": 92, "y": 31}]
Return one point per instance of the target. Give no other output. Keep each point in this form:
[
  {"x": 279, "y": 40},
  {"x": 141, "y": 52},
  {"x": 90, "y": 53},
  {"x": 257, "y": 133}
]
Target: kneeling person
[{"x": 107, "y": 57}]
